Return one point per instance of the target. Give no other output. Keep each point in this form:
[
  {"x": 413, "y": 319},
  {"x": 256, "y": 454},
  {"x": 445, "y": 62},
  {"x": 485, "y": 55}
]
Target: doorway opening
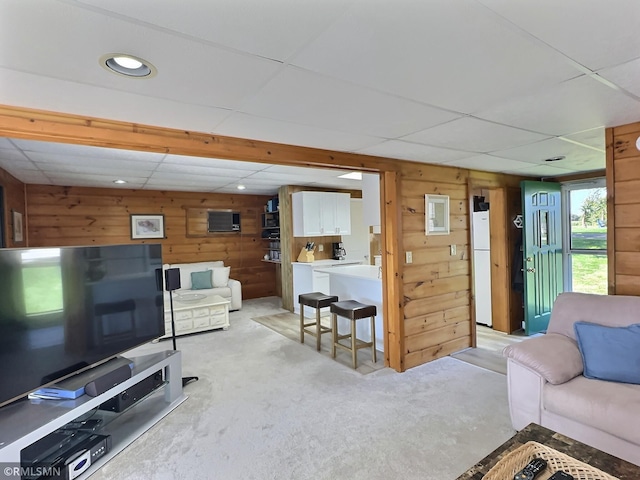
[{"x": 585, "y": 237}]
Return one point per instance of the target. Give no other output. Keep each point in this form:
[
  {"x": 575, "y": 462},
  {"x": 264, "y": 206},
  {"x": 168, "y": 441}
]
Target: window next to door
[{"x": 585, "y": 236}]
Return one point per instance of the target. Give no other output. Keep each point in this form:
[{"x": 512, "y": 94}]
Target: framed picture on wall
[
  {"x": 147, "y": 226},
  {"x": 17, "y": 226},
  {"x": 436, "y": 214}
]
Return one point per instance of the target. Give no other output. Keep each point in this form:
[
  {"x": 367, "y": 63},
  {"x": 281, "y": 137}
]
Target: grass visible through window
[{"x": 589, "y": 271}]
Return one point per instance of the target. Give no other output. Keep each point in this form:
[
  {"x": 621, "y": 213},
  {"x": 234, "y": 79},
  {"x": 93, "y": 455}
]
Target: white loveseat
[{"x": 222, "y": 285}]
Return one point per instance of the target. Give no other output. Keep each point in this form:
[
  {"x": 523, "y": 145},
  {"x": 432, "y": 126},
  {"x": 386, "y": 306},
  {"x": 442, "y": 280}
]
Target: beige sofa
[
  {"x": 547, "y": 386},
  {"x": 222, "y": 285}
]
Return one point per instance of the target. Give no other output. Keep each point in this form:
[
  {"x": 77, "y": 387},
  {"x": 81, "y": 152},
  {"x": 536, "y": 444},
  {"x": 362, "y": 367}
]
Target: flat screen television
[{"x": 64, "y": 310}]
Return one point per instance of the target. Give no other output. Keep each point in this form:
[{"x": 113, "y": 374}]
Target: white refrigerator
[{"x": 482, "y": 267}]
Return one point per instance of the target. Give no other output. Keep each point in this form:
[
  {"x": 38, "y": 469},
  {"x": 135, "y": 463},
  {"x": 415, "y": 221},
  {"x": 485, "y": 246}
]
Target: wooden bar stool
[
  {"x": 315, "y": 300},
  {"x": 354, "y": 311}
]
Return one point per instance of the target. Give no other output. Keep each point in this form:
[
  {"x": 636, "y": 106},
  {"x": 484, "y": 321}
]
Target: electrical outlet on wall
[
  {"x": 453, "y": 249},
  {"x": 320, "y": 247},
  {"x": 409, "y": 257}
]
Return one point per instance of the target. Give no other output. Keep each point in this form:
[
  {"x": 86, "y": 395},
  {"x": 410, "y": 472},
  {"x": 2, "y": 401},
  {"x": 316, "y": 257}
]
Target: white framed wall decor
[{"x": 436, "y": 214}]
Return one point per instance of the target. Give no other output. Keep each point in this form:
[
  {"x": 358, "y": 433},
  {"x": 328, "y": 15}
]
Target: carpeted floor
[
  {"x": 288, "y": 324},
  {"x": 266, "y": 407}
]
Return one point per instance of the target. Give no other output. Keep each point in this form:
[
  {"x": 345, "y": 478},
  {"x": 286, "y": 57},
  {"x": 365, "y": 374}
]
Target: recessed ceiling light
[
  {"x": 352, "y": 176},
  {"x": 127, "y": 65},
  {"x": 555, "y": 159},
  {"x": 241, "y": 187},
  {"x": 119, "y": 181}
]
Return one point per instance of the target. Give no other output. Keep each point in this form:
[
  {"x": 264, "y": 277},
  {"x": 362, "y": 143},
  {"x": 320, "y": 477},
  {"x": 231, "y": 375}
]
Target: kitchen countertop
[{"x": 328, "y": 263}]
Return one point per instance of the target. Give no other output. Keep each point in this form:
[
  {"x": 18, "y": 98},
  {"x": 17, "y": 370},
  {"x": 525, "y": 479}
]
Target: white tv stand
[{"x": 26, "y": 422}]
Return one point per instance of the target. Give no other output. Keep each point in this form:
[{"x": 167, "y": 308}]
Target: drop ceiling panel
[
  {"x": 266, "y": 129},
  {"x": 303, "y": 97},
  {"x": 593, "y": 138},
  {"x": 214, "y": 163},
  {"x": 33, "y": 176},
  {"x": 415, "y": 152},
  {"x": 189, "y": 179},
  {"x": 64, "y": 177},
  {"x": 281, "y": 178},
  {"x": 471, "y": 134},
  {"x": 592, "y": 32},
  {"x": 307, "y": 172},
  {"x": 172, "y": 187},
  {"x": 63, "y": 150},
  {"x": 256, "y": 190},
  {"x": 488, "y": 163},
  {"x": 457, "y": 55},
  {"x": 114, "y": 168},
  {"x": 573, "y": 106},
  {"x": 540, "y": 151},
  {"x": 261, "y": 28},
  {"x": 188, "y": 71},
  {"x": 32, "y": 91},
  {"x": 625, "y": 76},
  {"x": 540, "y": 171},
  {"x": 14, "y": 157},
  {"x": 216, "y": 172}
]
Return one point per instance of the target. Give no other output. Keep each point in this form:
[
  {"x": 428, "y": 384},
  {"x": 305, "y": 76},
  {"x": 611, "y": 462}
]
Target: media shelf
[{"x": 25, "y": 422}]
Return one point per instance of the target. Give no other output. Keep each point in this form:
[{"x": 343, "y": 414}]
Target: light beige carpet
[
  {"x": 288, "y": 324},
  {"x": 266, "y": 407}
]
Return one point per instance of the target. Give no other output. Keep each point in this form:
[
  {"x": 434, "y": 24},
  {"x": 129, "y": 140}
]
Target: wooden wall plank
[
  {"x": 83, "y": 216},
  {"x": 434, "y": 352},
  {"x": 14, "y": 199},
  {"x": 627, "y": 239},
  {"x": 437, "y": 336}
]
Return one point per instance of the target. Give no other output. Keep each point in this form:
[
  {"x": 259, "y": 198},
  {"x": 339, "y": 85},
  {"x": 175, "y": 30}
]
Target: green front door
[{"x": 542, "y": 250}]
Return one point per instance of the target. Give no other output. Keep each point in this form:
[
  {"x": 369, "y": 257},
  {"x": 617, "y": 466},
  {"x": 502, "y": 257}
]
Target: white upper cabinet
[{"x": 318, "y": 214}]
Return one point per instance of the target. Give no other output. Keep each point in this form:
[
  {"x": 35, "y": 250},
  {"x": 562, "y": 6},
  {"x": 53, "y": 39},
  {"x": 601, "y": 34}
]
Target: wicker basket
[{"x": 515, "y": 461}]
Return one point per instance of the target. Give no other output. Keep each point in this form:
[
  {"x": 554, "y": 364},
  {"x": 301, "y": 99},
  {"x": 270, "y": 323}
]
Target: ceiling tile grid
[{"x": 484, "y": 84}]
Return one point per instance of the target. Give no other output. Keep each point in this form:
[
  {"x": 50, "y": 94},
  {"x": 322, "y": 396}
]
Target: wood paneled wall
[
  {"x": 427, "y": 303},
  {"x": 437, "y": 285},
  {"x": 623, "y": 209},
  {"x": 13, "y": 200},
  {"x": 96, "y": 216}
]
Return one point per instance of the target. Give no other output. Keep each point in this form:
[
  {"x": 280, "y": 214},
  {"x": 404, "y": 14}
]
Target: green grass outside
[
  {"x": 578, "y": 241},
  {"x": 42, "y": 289},
  {"x": 589, "y": 273}
]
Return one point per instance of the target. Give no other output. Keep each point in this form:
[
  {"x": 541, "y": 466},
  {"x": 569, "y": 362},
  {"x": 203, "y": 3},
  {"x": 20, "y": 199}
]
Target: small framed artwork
[
  {"x": 147, "y": 226},
  {"x": 436, "y": 214},
  {"x": 17, "y": 226}
]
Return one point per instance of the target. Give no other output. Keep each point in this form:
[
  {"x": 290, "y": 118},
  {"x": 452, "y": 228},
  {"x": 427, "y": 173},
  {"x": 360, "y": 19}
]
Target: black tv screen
[{"x": 63, "y": 310}]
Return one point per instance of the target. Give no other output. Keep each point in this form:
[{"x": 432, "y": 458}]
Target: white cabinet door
[
  {"x": 317, "y": 214},
  {"x": 343, "y": 214},
  {"x": 307, "y": 215}
]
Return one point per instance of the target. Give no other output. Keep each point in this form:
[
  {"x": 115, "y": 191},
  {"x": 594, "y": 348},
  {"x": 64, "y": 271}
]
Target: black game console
[{"x": 134, "y": 393}]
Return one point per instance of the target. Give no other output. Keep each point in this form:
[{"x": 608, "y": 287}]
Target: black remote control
[
  {"x": 531, "y": 470},
  {"x": 560, "y": 475}
]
